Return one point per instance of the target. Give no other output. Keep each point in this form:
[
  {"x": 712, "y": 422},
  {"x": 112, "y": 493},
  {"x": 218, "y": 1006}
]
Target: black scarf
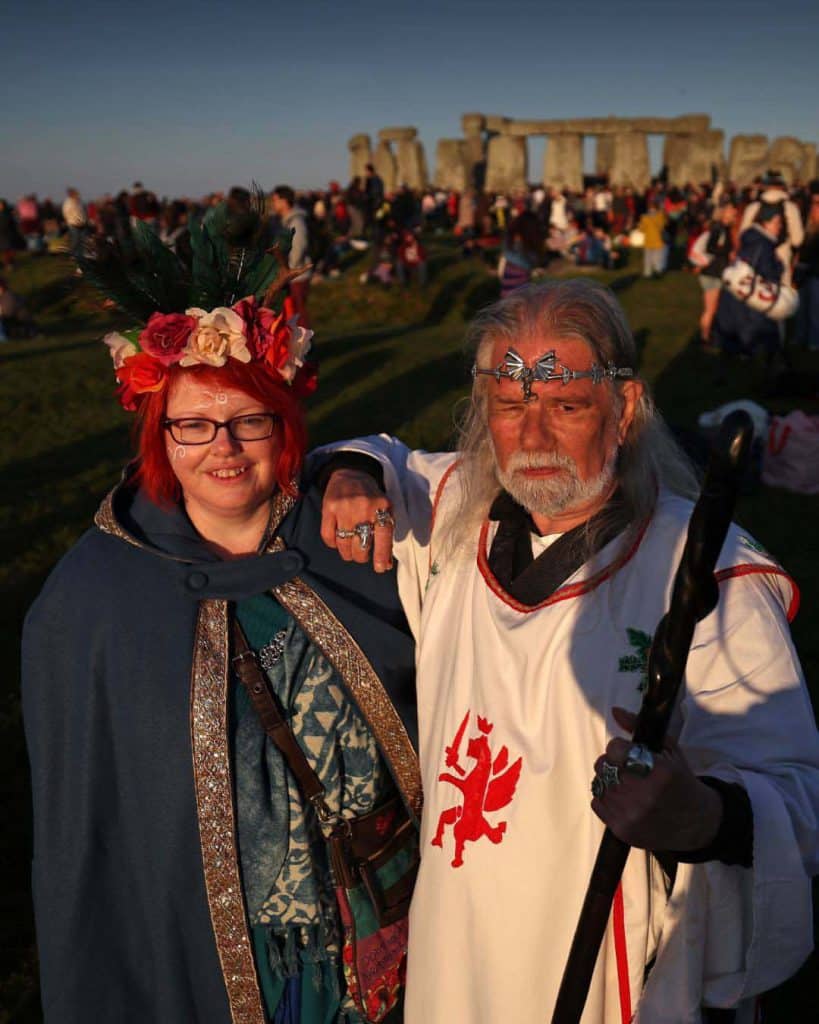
[{"x": 532, "y": 580}]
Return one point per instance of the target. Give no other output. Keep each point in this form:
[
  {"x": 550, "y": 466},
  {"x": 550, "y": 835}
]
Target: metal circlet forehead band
[{"x": 546, "y": 368}]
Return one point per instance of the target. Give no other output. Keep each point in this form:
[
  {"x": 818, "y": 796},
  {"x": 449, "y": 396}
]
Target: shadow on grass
[
  {"x": 33, "y": 353},
  {"x": 64, "y": 462},
  {"x": 383, "y": 406},
  {"x": 337, "y": 345}
]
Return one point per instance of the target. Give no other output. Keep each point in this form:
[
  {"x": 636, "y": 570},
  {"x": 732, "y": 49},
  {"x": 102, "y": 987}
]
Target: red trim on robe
[
  {"x": 439, "y": 490},
  {"x": 563, "y": 593},
  {"x": 621, "y": 954},
  {"x": 747, "y": 569}
]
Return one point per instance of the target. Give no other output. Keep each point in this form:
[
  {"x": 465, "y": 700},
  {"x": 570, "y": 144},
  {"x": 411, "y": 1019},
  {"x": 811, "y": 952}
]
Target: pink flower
[{"x": 166, "y": 335}]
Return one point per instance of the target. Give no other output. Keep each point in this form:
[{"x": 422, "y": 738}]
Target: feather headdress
[{"x": 210, "y": 301}]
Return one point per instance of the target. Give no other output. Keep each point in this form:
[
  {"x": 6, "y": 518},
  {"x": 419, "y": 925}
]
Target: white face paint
[
  {"x": 179, "y": 452},
  {"x": 209, "y": 398}
]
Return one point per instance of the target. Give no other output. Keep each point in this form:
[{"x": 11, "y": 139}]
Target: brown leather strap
[{"x": 267, "y": 708}]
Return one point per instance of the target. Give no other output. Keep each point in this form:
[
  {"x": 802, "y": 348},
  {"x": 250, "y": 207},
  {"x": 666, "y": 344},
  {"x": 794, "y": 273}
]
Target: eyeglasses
[{"x": 199, "y": 430}]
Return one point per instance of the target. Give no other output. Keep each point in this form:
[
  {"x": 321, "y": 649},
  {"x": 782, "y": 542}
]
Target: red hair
[{"x": 154, "y": 472}]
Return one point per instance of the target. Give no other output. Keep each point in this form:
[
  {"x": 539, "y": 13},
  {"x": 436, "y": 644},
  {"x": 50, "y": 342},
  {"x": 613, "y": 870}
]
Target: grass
[{"x": 391, "y": 360}]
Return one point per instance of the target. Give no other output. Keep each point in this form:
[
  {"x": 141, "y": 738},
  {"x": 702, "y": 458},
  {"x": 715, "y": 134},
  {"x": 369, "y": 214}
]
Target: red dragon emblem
[{"x": 489, "y": 786}]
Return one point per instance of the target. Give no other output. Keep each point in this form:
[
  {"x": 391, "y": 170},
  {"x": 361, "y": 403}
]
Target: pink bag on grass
[{"x": 791, "y": 458}]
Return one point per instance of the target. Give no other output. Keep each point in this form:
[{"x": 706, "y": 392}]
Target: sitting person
[{"x": 15, "y": 319}]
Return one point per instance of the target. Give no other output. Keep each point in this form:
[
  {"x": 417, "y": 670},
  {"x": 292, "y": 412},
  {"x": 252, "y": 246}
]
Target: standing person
[
  {"x": 76, "y": 221},
  {"x": 738, "y": 329},
  {"x": 772, "y": 192},
  {"x": 718, "y": 248},
  {"x": 180, "y": 872},
  {"x": 535, "y": 565},
  {"x": 807, "y": 316},
  {"x": 411, "y": 258},
  {"x": 293, "y": 221},
  {"x": 374, "y": 192},
  {"x": 31, "y": 226},
  {"x": 10, "y": 239},
  {"x": 655, "y": 250}
]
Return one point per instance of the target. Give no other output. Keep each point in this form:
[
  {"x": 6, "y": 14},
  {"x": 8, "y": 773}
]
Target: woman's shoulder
[{"x": 83, "y": 579}]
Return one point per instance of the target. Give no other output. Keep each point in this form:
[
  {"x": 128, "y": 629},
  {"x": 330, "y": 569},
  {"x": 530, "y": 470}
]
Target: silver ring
[
  {"x": 345, "y": 534},
  {"x": 608, "y": 776},
  {"x": 639, "y": 760},
  {"x": 364, "y": 532},
  {"x": 383, "y": 517}
]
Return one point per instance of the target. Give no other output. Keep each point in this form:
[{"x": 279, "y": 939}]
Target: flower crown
[
  {"x": 228, "y": 253},
  {"x": 246, "y": 331}
]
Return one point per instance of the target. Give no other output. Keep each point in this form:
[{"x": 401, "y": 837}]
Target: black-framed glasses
[{"x": 200, "y": 430}]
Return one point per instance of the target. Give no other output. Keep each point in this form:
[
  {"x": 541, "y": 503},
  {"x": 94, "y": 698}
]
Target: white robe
[{"x": 491, "y": 924}]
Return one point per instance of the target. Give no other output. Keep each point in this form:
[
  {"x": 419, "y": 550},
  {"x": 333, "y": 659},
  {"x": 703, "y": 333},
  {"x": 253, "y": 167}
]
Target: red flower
[
  {"x": 267, "y": 331},
  {"x": 137, "y": 375},
  {"x": 166, "y": 335},
  {"x": 306, "y": 380}
]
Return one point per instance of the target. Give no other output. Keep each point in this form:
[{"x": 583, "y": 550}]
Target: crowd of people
[{"x": 519, "y": 235}]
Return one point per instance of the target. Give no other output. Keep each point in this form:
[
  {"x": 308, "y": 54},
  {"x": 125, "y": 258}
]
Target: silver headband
[{"x": 545, "y": 369}]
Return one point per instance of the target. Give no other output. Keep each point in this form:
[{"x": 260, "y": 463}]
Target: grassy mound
[{"x": 391, "y": 360}]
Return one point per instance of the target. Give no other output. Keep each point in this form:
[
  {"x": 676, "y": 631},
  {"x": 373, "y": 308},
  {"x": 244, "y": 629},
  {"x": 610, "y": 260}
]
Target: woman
[{"x": 179, "y": 874}]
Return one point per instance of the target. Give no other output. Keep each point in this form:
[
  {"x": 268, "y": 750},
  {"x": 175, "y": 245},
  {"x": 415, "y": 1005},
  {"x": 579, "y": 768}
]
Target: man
[
  {"x": 534, "y": 566},
  {"x": 791, "y": 230},
  {"x": 294, "y": 220},
  {"x": 374, "y": 193}
]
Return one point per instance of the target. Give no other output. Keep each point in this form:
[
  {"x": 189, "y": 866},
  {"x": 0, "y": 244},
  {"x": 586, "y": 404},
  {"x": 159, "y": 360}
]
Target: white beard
[{"x": 553, "y": 495}]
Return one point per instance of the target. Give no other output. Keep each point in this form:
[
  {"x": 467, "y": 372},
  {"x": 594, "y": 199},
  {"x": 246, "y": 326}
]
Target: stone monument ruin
[{"x": 492, "y": 154}]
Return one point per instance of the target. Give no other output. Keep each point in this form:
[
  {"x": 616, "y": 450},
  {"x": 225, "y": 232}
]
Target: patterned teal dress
[{"x": 286, "y": 878}]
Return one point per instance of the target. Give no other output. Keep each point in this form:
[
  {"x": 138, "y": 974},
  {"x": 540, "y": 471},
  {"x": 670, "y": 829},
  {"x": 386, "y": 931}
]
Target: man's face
[
  {"x": 557, "y": 453},
  {"x": 729, "y": 215}
]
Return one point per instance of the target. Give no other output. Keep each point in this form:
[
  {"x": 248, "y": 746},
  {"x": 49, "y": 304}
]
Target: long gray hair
[{"x": 571, "y": 308}]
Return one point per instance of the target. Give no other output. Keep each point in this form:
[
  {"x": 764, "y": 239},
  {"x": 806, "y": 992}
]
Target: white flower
[
  {"x": 298, "y": 345},
  {"x": 219, "y": 335},
  {"x": 119, "y": 347}
]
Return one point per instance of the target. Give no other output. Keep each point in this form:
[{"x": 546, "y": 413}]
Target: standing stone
[
  {"x": 452, "y": 165},
  {"x": 810, "y": 167},
  {"x": 787, "y": 155},
  {"x": 412, "y": 164},
  {"x": 384, "y": 163},
  {"x": 690, "y": 159},
  {"x": 604, "y": 155},
  {"x": 630, "y": 164},
  {"x": 563, "y": 162},
  {"x": 473, "y": 126},
  {"x": 506, "y": 164},
  {"x": 361, "y": 154},
  {"x": 748, "y": 158}
]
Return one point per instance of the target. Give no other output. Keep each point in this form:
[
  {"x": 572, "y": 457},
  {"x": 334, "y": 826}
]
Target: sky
[{"x": 189, "y": 97}]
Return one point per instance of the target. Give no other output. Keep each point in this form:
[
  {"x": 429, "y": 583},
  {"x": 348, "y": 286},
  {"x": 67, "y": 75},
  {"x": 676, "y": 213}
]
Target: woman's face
[{"x": 224, "y": 478}]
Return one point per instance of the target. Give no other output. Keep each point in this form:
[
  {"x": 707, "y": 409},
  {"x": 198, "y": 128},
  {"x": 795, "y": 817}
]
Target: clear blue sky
[{"x": 192, "y": 96}]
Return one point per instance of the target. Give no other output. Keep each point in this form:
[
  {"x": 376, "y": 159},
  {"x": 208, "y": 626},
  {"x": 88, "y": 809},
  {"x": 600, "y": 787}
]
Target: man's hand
[
  {"x": 350, "y": 499},
  {"x": 668, "y": 809}
]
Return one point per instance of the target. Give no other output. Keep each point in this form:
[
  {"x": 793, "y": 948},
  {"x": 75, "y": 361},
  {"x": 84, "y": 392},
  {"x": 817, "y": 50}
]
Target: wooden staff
[{"x": 694, "y": 596}]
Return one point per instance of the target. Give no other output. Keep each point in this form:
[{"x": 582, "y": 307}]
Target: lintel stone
[{"x": 397, "y": 134}]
